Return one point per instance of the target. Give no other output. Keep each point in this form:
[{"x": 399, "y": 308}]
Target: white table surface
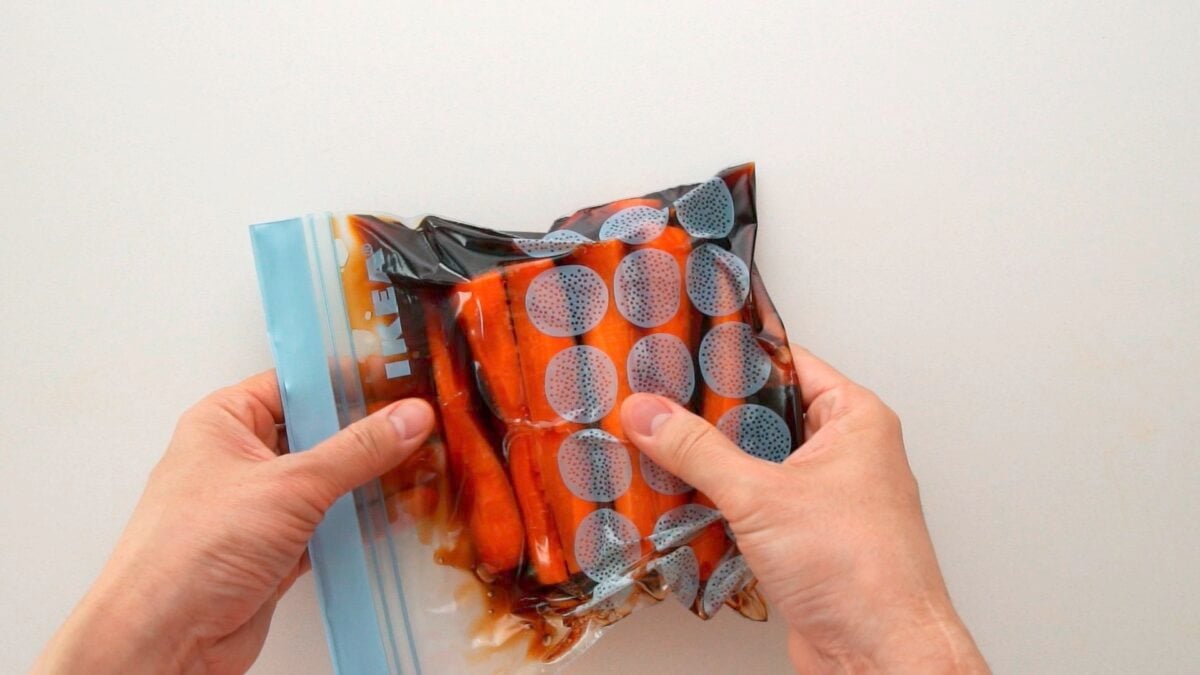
[{"x": 989, "y": 213}]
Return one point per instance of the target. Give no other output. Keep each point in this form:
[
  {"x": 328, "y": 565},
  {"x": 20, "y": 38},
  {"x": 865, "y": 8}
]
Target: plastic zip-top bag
[{"x": 528, "y": 521}]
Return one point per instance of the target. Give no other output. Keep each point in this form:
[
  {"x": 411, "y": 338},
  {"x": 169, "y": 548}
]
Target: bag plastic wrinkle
[{"x": 528, "y": 522}]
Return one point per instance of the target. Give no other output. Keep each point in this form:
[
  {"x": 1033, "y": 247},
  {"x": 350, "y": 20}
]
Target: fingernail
[
  {"x": 647, "y": 413},
  {"x": 411, "y": 418}
]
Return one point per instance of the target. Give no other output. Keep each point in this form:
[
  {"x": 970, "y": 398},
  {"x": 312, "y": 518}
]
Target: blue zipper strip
[{"x": 295, "y": 323}]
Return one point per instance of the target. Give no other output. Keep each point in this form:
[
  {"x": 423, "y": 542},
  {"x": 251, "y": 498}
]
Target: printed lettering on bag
[{"x": 383, "y": 299}]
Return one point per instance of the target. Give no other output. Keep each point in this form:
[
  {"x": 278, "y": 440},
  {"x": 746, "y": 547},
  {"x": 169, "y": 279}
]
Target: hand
[
  {"x": 834, "y": 534},
  {"x": 220, "y": 534}
]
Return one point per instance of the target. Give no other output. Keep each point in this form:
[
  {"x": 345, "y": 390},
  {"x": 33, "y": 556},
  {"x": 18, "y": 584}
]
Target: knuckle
[
  {"x": 887, "y": 418},
  {"x": 313, "y": 488},
  {"x": 861, "y": 397},
  {"x": 189, "y": 418},
  {"x": 201, "y": 410},
  {"x": 690, "y": 442},
  {"x": 234, "y": 399},
  {"x": 870, "y": 402},
  {"x": 798, "y": 350},
  {"x": 891, "y": 420},
  {"x": 913, "y": 490},
  {"x": 365, "y": 441}
]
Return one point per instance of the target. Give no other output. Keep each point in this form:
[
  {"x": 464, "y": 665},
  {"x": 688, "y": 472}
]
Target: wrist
[
  {"x": 937, "y": 642},
  {"x": 125, "y": 624}
]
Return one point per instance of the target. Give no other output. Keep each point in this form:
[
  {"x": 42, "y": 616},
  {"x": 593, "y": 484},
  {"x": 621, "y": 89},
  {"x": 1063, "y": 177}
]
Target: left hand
[{"x": 220, "y": 534}]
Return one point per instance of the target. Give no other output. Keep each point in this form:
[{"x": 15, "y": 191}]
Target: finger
[
  {"x": 364, "y": 450},
  {"x": 816, "y": 378},
  {"x": 298, "y": 571},
  {"x": 689, "y": 447},
  {"x": 264, "y": 387},
  {"x": 825, "y": 393},
  {"x": 282, "y": 446},
  {"x": 253, "y": 403}
]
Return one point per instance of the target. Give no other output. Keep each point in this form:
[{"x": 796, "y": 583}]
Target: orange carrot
[
  {"x": 676, "y": 242},
  {"x": 536, "y": 349},
  {"x": 615, "y": 336},
  {"x": 485, "y": 321},
  {"x": 568, "y": 509},
  {"x": 684, "y": 325},
  {"x": 541, "y": 535},
  {"x": 487, "y": 324},
  {"x": 711, "y": 544},
  {"x": 492, "y": 515}
]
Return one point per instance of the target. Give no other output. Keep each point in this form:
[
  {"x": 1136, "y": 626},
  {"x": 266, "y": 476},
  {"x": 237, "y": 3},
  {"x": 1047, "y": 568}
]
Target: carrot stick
[
  {"x": 615, "y": 336},
  {"x": 541, "y": 534},
  {"x": 711, "y": 545},
  {"x": 684, "y": 325},
  {"x": 486, "y": 322},
  {"x": 568, "y": 509},
  {"x": 676, "y": 242},
  {"x": 536, "y": 349},
  {"x": 487, "y": 326},
  {"x": 492, "y": 515}
]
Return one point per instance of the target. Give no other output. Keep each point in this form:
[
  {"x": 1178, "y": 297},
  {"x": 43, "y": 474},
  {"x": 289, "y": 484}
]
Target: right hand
[{"x": 834, "y": 534}]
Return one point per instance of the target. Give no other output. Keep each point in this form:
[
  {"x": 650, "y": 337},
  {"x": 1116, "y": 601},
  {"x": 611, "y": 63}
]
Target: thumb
[
  {"x": 691, "y": 448},
  {"x": 366, "y": 449}
]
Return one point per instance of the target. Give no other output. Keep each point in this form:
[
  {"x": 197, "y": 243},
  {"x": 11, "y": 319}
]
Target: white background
[{"x": 989, "y": 213}]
